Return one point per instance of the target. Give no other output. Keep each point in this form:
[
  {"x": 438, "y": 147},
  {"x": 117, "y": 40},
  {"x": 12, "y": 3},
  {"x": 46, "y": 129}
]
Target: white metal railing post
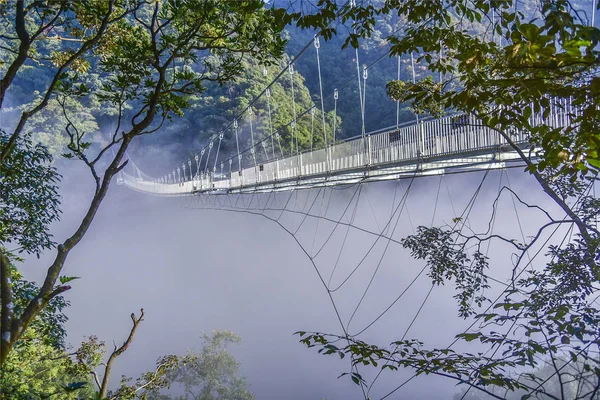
[
  {"x": 230, "y": 174},
  {"x": 190, "y": 168},
  {"x": 422, "y": 138},
  {"x": 370, "y": 150}
]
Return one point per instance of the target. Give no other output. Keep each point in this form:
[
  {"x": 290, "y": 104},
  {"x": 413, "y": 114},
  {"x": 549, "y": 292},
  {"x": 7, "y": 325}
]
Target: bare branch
[{"x": 118, "y": 351}]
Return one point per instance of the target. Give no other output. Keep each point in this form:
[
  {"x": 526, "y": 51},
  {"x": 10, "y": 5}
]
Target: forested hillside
[{"x": 214, "y": 109}]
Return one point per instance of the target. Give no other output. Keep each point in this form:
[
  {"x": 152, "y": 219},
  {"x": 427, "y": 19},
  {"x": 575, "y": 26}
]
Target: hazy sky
[{"x": 195, "y": 270}]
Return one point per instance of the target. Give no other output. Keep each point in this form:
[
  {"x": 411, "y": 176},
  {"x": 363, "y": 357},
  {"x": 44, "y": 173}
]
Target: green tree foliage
[
  {"x": 49, "y": 324},
  {"x": 41, "y": 42},
  {"x": 213, "y": 110},
  {"x": 208, "y": 374},
  {"x": 149, "y": 59},
  {"x": 35, "y": 370},
  {"x": 400, "y": 91},
  {"x": 580, "y": 384},
  {"x": 40, "y": 366},
  {"x": 29, "y": 200}
]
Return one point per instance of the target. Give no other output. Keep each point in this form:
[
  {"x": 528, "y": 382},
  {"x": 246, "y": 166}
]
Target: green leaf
[
  {"x": 75, "y": 386},
  {"x": 66, "y": 279},
  {"x": 594, "y": 162}
]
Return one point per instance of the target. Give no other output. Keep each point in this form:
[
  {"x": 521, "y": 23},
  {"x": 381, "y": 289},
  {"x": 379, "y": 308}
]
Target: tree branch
[
  {"x": 118, "y": 351},
  {"x": 583, "y": 228},
  {"x": 53, "y": 84},
  {"x": 24, "y": 45},
  {"x": 6, "y": 300}
]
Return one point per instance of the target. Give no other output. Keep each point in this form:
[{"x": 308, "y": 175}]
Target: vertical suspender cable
[
  {"x": 312, "y": 127},
  {"x": 327, "y": 155},
  {"x": 366, "y": 140},
  {"x": 414, "y": 78},
  {"x": 237, "y": 143},
  {"x": 441, "y": 55},
  {"x": 210, "y": 146},
  {"x": 293, "y": 125},
  {"x": 398, "y": 101},
  {"x": 268, "y": 94},
  {"x": 493, "y": 22},
  {"x": 335, "y": 99},
  {"x": 264, "y": 146},
  {"x": 360, "y": 95},
  {"x": 252, "y": 151},
  {"x": 278, "y": 137},
  {"x": 217, "y": 155},
  {"x": 200, "y": 162},
  {"x": 364, "y": 94}
]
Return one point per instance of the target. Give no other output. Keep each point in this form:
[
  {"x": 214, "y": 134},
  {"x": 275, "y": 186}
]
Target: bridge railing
[{"x": 447, "y": 136}]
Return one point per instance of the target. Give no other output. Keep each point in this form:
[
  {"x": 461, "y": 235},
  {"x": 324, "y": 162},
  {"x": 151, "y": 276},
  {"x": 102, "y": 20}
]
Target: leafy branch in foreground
[
  {"x": 526, "y": 68},
  {"x": 158, "y": 56},
  {"x": 544, "y": 318}
]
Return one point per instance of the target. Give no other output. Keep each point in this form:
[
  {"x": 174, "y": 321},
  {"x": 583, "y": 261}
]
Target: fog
[{"x": 195, "y": 270}]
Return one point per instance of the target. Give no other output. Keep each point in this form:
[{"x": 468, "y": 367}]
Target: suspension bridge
[{"x": 424, "y": 146}]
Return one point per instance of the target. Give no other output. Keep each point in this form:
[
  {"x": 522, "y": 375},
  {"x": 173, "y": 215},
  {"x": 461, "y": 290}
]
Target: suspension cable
[
  {"x": 278, "y": 136},
  {"x": 398, "y": 101},
  {"x": 335, "y": 99},
  {"x": 237, "y": 143},
  {"x": 360, "y": 95},
  {"x": 414, "y": 78},
  {"x": 217, "y": 155},
  {"x": 293, "y": 124},
  {"x": 210, "y": 146},
  {"x": 317, "y": 45},
  {"x": 364, "y": 94},
  {"x": 252, "y": 150},
  {"x": 268, "y": 96},
  {"x": 312, "y": 127}
]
